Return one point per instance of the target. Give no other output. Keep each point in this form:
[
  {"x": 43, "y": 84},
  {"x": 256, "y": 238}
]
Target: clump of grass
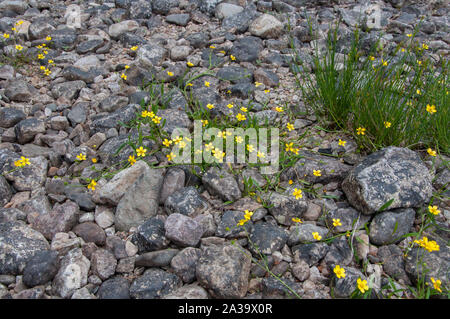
[{"x": 381, "y": 98}]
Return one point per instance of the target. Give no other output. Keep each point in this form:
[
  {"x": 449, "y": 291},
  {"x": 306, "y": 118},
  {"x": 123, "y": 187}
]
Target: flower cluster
[
  {"x": 427, "y": 244},
  {"x": 247, "y": 216},
  {"x": 22, "y": 162}
]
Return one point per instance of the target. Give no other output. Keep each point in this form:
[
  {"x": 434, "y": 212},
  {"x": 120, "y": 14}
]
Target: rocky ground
[{"x": 167, "y": 233}]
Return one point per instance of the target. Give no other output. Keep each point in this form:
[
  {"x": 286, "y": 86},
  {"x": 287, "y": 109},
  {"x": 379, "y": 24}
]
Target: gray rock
[
  {"x": 284, "y": 207},
  {"x": 272, "y": 288},
  {"x": 140, "y": 201},
  {"x": 150, "y": 235},
  {"x": 64, "y": 39},
  {"x": 224, "y": 271},
  {"x": 20, "y": 91},
  {"x": 72, "y": 274},
  {"x": 185, "y": 262},
  {"x": 188, "y": 292},
  {"x": 68, "y": 90},
  {"x": 198, "y": 40},
  {"x": 103, "y": 263},
  {"x": 77, "y": 114},
  {"x": 114, "y": 288},
  {"x": 266, "y": 26},
  {"x": 225, "y": 10},
  {"x": 174, "y": 118},
  {"x": 11, "y": 215},
  {"x": 310, "y": 253},
  {"x": 228, "y": 225},
  {"x": 235, "y": 74},
  {"x": 104, "y": 216},
  {"x": 392, "y": 173},
  {"x": 150, "y": 55},
  {"x": 266, "y": 238},
  {"x": 267, "y": 77},
  {"x": 101, "y": 123},
  {"x": 183, "y": 230},
  {"x": 5, "y": 191},
  {"x": 27, "y": 129},
  {"x": 421, "y": 264},
  {"x": 302, "y": 233},
  {"x": 10, "y": 117},
  {"x": 301, "y": 270},
  {"x": 41, "y": 268},
  {"x": 239, "y": 21},
  {"x": 349, "y": 217},
  {"x": 72, "y": 73},
  {"x": 154, "y": 284},
  {"x": 344, "y": 287},
  {"x": 390, "y": 226},
  {"x": 332, "y": 169},
  {"x": 174, "y": 180},
  {"x": 113, "y": 102},
  {"x": 180, "y": 19},
  {"x": 39, "y": 30},
  {"x": 29, "y": 177},
  {"x": 89, "y": 46},
  {"x": 208, "y": 6},
  {"x": 91, "y": 232},
  {"x": 393, "y": 262},
  {"x": 221, "y": 183},
  {"x": 186, "y": 201},
  {"x": 60, "y": 220},
  {"x": 116, "y": 29},
  {"x": 59, "y": 123},
  {"x": 159, "y": 258},
  {"x": 247, "y": 49},
  {"x": 339, "y": 253},
  {"x": 180, "y": 53},
  {"x": 18, "y": 243}
]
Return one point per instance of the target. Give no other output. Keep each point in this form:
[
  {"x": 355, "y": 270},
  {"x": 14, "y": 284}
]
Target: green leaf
[{"x": 386, "y": 205}]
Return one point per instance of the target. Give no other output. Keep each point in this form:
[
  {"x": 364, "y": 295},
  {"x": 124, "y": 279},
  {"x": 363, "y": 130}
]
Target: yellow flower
[
  {"x": 20, "y": 22},
  {"x": 409, "y": 35},
  {"x": 92, "y": 185},
  {"x": 134, "y": 48},
  {"x": 240, "y": 117},
  {"x": 339, "y": 271},
  {"x": 336, "y": 222},
  {"x": 425, "y": 46},
  {"x": 239, "y": 139},
  {"x": 361, "y": 131},
  {"x": 362, "y": 285},
  {"x": 316, "y": 236},
  {"x": 291, "y": 182},
  {"x": 402, "y": 49},
  {"x": 48, "y": 38},
  {"x": 206, "y": 83},
  {"x": 250, "y": 148},
  {"x": 431, "y": 152},
  {"x": 279, "y": 109},
  {"x": 387, "y": 124},
  {"x": 431, "y": 108},
  {"x": 290, "y": 126},
  {"x": 210, "y": 106},
  {"x": 371, "y": 58},
  {"x": 50, "y": 61},
  {"x": 297, "y": 220},
  {"x": 169, "y": 73},
  {"x": 13, "y": 29},
  {"x": 204, "y": 122},
  {"x": 131, "y": 160},
  {"x": 267, "y": 91},
  {"x": 209, "y": 146},
  {"x": 6, "y": 35},
  {"x": 419, "y": 62},
  {"x": 242, "y": 222},
  {"x": 144, "y": 113},
  {"x": 232, "y": 57},
  {"x": 297, "y": 193},
  {"x": 45, "y": 51},
  {"x": 212, "y": 47},
  {"x": 260, "y": 154},
  {"x": 223, "y": 52},
  {"x": 341, "y": 142},
  {"x": 230, "y": 106},
  {"x": 47, "y": 72},
  {"x": 258, "y": 84},
  {"x": 156, "y": 119},
  {"x": 170, "y": 156},
  {"x": 428, "y": 245},
  {"x": 434, "y": 210},
  {"x": 151, "y": 114},
  {"x": 41, "y": 56},
  {"x": 418, "y": 91},
  {"x": 81, "y": 157},
  {"x": 317, "y": 172},
  {"x": 23, "y": 161},
  {"x": 190, "y": 64},
  {"x": 248, "y": 214},
  {"x": 123, "y": 76},
  {"x": 384, "y": 62},
  {"x": 436, "y": 284},
  {"x": 141, "y": 151},
  {"x": 244, "y": 109},
  {"x": 19, "y": 47},
  {"x": 94, "y": 160},
  {"x": 288, "y": 146},
  {"x": 167, "y": 142},
  {"x": 189, "y": 84}
]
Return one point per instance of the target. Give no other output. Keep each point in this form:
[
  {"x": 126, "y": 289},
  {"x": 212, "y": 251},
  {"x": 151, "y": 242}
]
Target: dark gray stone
[
  {"x": 27, "y": 129},
  {"x": 266, "y": 238},
  {"x": 180, "y": 19},
  {"x": 310, "y": 253},
  {"x": 228, "y": 226},
  {"x": 393, "y": 262},
  {"x": 392, "y": 173},
  {"x": 10, "y": 117},
  {"x": 159, "y": 258},
  {"x": 235, "y": 74},
  {"x": 68, "y": 90},
  {"x": 185, "y": 262},
  {"x": 183, "y": 230},
  {"x": 344, "y": 287},
  {"x": 154, "y": 284},
  {"x": 150, "y": 235},
  {"x": 91, "y": 232},
  {"x": 186, "y": 201},
  {"x": 114, "y": 288},
  {"x": 389, "y": 227},
  {"x": 5, "y": 191},
  {"x": 221, "y": 183},
  {"x": 41, "y": 268},
  {"x": 247, "y": 49}
]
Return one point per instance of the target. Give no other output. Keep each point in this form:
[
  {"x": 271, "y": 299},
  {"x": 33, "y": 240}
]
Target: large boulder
[{"x": 391, "y": 174}]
